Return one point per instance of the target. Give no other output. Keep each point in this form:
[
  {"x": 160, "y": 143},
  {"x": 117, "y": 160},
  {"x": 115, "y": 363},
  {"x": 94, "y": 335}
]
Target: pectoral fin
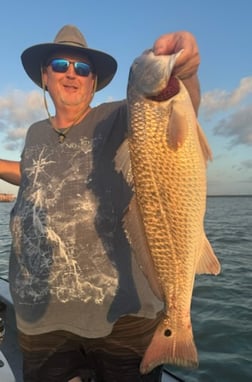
[{"x": 177, "y": 128}]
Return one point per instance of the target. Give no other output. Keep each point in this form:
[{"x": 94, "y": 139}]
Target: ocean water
[{"x": 221, "y": 305}]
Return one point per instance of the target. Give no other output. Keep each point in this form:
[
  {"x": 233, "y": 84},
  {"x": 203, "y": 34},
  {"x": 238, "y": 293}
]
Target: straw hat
[{"x": 69, "y": 39}]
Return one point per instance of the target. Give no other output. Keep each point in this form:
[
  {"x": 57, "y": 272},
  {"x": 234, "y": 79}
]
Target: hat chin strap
[{"x": 62, "y": 132}]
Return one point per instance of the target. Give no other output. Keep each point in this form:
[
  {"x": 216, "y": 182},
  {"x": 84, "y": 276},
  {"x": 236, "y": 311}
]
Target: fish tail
[{"x": 170, "y": 348}]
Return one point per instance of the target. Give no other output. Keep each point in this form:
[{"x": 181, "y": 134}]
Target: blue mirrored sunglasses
[{"x": 61, "y": 65}]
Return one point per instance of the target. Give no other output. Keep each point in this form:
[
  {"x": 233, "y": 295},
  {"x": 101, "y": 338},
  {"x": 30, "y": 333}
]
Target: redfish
[{"x": 168, "y": 153}]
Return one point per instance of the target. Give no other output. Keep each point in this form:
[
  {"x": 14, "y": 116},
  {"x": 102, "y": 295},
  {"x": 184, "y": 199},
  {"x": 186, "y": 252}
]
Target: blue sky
[{"x": 124, "y": 29}]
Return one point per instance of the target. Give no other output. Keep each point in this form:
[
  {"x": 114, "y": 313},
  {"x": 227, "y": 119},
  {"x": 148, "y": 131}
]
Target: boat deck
[{"x": 9, "y": 347}]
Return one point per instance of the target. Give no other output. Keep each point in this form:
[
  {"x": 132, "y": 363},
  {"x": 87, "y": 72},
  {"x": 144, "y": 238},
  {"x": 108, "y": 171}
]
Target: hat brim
[{"x": 35, "y": 56}]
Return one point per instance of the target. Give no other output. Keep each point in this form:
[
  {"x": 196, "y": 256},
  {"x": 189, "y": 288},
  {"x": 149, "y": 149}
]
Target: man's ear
[{"x": 44, "y": 77}]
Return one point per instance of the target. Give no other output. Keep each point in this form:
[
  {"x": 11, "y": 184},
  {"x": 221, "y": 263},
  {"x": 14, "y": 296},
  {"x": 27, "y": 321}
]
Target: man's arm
[{"x": 10, "y": 171}]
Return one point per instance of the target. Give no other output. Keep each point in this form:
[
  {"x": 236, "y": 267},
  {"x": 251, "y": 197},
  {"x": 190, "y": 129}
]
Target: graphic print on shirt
[{"x": 56, "y": 244}]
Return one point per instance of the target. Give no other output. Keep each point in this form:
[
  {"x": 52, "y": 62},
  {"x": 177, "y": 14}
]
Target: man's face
[{"x": 69, "y": 88}]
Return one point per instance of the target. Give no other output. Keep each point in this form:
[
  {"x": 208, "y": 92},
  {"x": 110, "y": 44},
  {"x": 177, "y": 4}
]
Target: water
[
  {"x": 5, "y": 239},
  {"x": 222, "y": 305}
]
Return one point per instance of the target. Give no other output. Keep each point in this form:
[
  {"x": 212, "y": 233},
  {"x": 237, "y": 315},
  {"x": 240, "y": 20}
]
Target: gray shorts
[{"x": 59, "y": 356}]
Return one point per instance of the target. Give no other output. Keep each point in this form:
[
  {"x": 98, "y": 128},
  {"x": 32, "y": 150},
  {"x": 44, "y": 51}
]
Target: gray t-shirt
[{"x": 71, "y": 267}]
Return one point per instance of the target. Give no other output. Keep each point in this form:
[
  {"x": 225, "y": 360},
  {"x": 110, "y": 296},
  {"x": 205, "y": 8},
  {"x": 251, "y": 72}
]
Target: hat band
[{"x": 71, "y": 43}]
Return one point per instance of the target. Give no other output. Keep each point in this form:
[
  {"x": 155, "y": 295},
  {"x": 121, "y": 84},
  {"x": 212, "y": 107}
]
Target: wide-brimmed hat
[{"x": 70, "y": 40}]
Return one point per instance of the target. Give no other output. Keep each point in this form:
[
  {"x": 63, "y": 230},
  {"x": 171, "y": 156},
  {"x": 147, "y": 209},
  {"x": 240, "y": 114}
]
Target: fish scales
[
  {"x": 170, "y": 197},
  {"x": 168, "y": 155}
]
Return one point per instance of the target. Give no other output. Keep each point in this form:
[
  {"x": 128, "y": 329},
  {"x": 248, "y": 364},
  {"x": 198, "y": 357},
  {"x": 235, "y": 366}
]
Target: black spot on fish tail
[{"x": 167, "y": 332}]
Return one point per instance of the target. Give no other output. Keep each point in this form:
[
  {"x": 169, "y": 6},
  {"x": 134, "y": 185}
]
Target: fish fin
[
  {"x": 177, "y": 127},
  {"x": 134, "y": 228},
  {"x": 206, "y": 150},
  {"x": 208, "y": 262},
  {"x": 178, "y": 349},
  {"x": 122, "y": 162}
]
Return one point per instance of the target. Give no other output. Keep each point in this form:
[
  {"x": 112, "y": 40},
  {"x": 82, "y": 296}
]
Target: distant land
[
  {"x": 229, "y": 196},
  {"x": 7, "y": 197}
]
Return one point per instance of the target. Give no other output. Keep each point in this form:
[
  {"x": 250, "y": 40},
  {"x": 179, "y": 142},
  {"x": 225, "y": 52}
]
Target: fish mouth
[{"x": 171, "y": 89}]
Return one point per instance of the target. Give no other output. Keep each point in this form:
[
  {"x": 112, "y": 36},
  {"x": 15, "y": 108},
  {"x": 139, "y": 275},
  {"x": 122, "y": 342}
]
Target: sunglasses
[{"x": 61, "y": 65}]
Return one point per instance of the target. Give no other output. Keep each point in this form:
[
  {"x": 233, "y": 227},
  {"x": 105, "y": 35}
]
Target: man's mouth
[{"x": 70, "y": 87}]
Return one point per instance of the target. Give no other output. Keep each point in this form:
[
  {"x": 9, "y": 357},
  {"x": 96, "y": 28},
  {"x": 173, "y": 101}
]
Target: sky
[{"x": 124, "y": 29}]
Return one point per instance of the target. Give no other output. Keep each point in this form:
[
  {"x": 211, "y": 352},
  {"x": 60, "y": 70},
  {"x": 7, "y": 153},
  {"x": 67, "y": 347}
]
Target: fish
[{"x": 165, "y": 159}]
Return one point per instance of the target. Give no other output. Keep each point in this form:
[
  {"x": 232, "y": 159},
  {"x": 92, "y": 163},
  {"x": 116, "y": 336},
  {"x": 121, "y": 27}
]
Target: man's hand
[
  {"x": 188, "y": 61},
  {"x": 10, "y": 171}
]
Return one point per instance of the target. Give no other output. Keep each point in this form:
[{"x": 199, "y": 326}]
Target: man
[{"x": 84, "y": 308}]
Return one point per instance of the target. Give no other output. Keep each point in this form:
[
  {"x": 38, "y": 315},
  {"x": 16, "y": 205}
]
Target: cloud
[
  {"x": 219, "y": 100},
  {"x": 237, "y": 126},
  {"x": 17, "y": 111},
  {"x": 247, "y": 163},
  {"x": 237, "y": 110}
]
